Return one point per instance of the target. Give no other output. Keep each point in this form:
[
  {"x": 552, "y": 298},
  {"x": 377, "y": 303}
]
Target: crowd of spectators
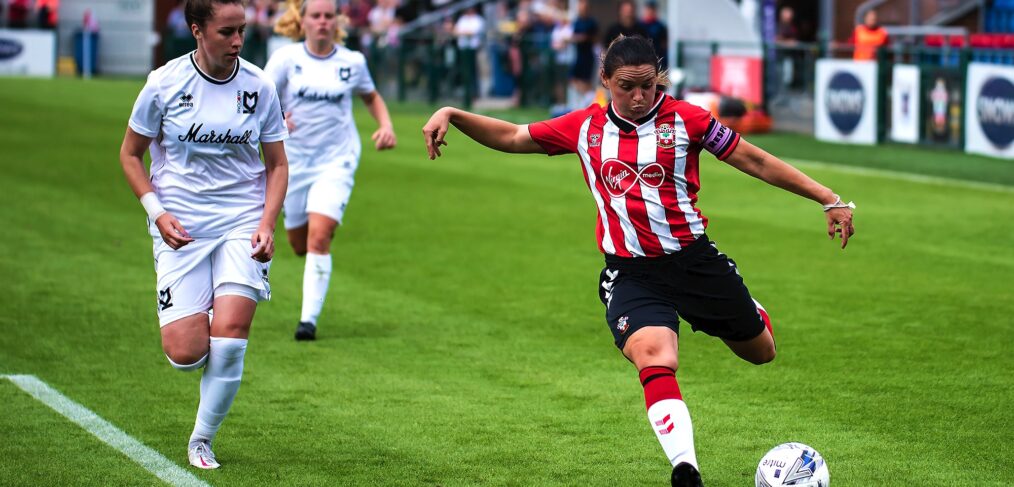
[
  {"x": 491, "y": 48},
  {"x": 24, "y": 14}
]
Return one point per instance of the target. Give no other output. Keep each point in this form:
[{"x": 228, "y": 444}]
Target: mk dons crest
[
  {"x": 665, "y": 136},
  {"x": 249, "y": 101}
]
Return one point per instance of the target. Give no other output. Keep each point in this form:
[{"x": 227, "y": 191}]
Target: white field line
[
  {"x": 904, "y": 176},
  {"x": 144, "y": 456}
]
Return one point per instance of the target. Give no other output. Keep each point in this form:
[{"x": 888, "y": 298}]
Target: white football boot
[{"x": 200, "y": 456}]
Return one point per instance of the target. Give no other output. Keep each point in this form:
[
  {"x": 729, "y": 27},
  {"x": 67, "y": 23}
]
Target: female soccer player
[
  {"x": 211, "y": 203},
  {"x": 640, "y": 160},
  {"x": 316, "y": 80}
]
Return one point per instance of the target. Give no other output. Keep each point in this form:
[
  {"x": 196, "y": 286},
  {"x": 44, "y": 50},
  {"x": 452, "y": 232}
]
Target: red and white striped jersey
[{"x": 644, "y": 174}]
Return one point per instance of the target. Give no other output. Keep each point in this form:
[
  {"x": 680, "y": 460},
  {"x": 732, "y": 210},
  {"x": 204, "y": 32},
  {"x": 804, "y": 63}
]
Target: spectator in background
[
  {"x": 17, "y": 14},
  {"x": 380, "y": 19},
  {"x": 48, "y": 13},
  {"x": 563, "y": 54},
  {"x": 787, "y": 38},
  {"x": 469, "y": 30},
  {"x": 585, "y": 31},
  {"x": 178, "y": 39},
  {"x": 657, "y": 32},
  {"x": 868, "y": 37},
  {"x": 626, "y": 23},
  {"x": 787, "y": 32},
  {"x": 259, "y": 25},
  {"x": 358, "y": 12},
  {"x": 176, "y": 23}
]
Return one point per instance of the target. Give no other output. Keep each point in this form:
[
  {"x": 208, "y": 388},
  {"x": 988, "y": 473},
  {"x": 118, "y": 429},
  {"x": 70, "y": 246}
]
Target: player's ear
[
  {"x": 195, "y": 30},
  {"x": 603, "y": 79}
]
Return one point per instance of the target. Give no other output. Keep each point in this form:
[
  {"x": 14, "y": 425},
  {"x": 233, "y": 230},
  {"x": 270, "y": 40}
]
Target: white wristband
[
  {"x": 839, "y": 204},
  {"x": 152, "y": 205}
]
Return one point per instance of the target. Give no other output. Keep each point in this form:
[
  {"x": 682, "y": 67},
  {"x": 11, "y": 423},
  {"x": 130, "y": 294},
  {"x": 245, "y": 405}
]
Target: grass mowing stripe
[
  {"x": 150, "y": 459},
  {"x": 901, "y": 175}
]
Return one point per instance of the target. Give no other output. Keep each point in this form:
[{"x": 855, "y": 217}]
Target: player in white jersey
[
  {"x": 211, "y": 203},
  {"x": 316, "y": 80}
]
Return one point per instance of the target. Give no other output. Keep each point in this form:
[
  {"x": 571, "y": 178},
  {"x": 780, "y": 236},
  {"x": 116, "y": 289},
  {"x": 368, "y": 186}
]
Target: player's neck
[
  {"x": 320, "y": 48},
  {"x": 216, "y": 71}
]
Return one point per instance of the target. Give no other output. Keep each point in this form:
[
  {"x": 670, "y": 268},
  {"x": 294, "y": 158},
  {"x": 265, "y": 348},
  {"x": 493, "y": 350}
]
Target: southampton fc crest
[{"x": 665, "y": 136}]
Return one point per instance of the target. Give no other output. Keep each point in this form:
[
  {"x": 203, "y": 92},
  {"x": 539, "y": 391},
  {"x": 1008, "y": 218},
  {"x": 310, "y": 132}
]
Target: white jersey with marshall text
[
  {"x": 206, "y": 167},
  {"x": 317, "y": 92}
]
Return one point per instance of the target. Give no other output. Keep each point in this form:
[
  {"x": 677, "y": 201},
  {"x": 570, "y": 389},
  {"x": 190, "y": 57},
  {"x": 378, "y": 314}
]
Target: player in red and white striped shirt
[{"x": 640, "y": 161}]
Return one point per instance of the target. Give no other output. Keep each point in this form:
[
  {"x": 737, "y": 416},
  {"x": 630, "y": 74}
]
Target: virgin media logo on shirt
[
  {"x": 619, "y": 177},
  {"x": 211, "y": 137}
]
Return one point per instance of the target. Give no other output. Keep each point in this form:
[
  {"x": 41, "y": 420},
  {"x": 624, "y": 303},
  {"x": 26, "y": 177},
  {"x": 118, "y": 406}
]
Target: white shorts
[
  {"x": 324, "y": 192},
  {"x": 188, "y": 279}
]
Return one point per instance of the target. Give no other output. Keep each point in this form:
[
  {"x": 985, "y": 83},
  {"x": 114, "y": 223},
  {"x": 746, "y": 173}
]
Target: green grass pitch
[{"x": 463, "y": 343}]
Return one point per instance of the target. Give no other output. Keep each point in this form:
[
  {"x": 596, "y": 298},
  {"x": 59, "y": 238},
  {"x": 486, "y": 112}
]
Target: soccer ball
[{"x": 792, "y": 464}]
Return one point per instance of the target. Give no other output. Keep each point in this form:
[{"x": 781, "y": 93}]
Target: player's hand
[
  {"x": 263, "y": 244},
  {"x": 384, "y": 138},
  {"x": 435, "y": 130},
  {"x": 289, "y": 123},
  {"x": 173, "y": 233},
  {"x": 839, "y": 222}
]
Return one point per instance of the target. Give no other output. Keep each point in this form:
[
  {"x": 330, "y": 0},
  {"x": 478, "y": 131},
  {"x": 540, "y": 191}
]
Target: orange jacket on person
[{"x": 867, "y": 41}]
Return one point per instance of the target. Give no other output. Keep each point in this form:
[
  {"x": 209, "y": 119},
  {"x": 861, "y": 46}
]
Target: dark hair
[
  {"x": 628, "y": 51},
  {"x": 199, "y": 11},
  {"x": 632, "y": 51}
]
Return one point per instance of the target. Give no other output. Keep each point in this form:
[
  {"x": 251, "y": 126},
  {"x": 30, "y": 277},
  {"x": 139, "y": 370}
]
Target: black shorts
[{"x": 698, "y": 283}]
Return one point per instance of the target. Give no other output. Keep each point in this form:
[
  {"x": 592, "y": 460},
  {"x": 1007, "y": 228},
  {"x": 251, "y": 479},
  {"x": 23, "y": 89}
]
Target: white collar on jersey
[
  {"x": 204, "y": 75},
  {"x": 627, "y": 125},
  {"x": 334, "y": 50}
]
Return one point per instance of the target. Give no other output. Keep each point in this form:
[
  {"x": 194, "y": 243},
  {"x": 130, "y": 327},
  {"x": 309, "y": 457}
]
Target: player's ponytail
[
  {"x": 632, "y": 51},
  {"x": 290, "y": 24}
]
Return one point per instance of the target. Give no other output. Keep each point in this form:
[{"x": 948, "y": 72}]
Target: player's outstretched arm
[
  {"x": 132, "y": 161},
  {"x": 490, "y": 132},
  {"x": 772, "y": 170},
  {"x": 383, "y": 138}
]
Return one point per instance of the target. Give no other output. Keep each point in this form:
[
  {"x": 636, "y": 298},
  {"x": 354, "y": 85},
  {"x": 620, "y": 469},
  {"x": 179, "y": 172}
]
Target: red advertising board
[{"x": 737, "y": 76}]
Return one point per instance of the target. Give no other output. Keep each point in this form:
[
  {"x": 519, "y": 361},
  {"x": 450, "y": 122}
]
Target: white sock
[
  {"x": 219, "y": 386},
  {"x": 670, "y": 419},
  {"x": 316, "y": 277}
]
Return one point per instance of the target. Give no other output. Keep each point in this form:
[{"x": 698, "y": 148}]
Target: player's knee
[
  {"x": 319, "y": 244},
  {"x": 231, "y": 329},
  {"x": 763, "y": 356},
  {"x": 652, "y": 353},
  {"x": 186, "y": 361}
]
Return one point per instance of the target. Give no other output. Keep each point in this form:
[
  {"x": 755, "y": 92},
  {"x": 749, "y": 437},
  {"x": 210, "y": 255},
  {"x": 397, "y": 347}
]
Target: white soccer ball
[{"x": 792, "y": 464}]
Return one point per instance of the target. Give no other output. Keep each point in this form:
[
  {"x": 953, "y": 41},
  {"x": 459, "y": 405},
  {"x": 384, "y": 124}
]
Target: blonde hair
[{"x": 290, "y": 24}]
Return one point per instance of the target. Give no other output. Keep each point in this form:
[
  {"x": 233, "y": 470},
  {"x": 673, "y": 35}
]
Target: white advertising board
[
  {"x": 845, "y": 102},
  {"x": 905, "y": 103},
  {"x": 27, "y": 53},
  {"x": 989, "y": 110}
]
